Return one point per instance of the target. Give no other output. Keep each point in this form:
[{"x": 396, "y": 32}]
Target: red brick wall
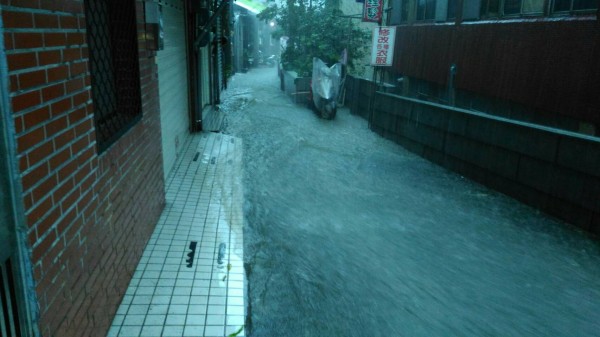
[
  {"x": 547, "y": 64},
  {"x": 88, "y": 216}
]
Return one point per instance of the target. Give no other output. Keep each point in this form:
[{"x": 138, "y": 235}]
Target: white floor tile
[
  {"x": 168, "y": 299},
  {"x": 215, "y": 320},
  {"x": 134, "y": 320},
  {"x": 197, "y": 309},
  {"x": 155, "y": 320},
  {"x": 195, "y": 319},
  {"x": 130, "y": 331},
  {"x": 173, "y": 331},
  {"x": 180, "y": 300},
  {"x": 158, "y": 309},
  {"x": 176, "y": 319},
  {"x": 151, "y": 331},
  {"x": 138, "y": 309},
  {"x": 193, "y": 331}
]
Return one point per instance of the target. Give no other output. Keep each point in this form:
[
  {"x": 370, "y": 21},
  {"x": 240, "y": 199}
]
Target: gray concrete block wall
[
  {"x": 556, "y": 171},
  {"x": 361, "y": 96},
  {"x": 297, "y": 88}
]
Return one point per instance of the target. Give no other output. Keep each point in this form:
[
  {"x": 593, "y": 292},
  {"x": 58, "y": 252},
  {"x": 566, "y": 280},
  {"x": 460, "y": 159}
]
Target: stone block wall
[{"x": 555, "y": 171}]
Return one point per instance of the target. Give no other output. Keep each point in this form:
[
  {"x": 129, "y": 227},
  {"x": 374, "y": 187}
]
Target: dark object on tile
[
  {"x": 222, "y": 247},
  {"x": 190, "y": 259}
]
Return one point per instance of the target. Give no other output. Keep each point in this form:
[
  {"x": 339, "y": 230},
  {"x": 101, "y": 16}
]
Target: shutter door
[{"x": 173, "y": 83}]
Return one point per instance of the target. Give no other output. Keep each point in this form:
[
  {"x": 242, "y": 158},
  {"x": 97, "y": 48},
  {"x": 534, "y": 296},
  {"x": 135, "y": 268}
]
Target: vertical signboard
[
  {"x": 372, "y": 10},
  {"x": 382, "y": 50}
]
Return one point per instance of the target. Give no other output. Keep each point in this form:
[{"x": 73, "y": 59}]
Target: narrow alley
[
  {"x": 348, "y": 234},
  {"x": 155, "y": 180}
]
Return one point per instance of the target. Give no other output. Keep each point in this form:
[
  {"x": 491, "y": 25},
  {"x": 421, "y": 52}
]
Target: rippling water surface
[{"x": 348, "y": 234}]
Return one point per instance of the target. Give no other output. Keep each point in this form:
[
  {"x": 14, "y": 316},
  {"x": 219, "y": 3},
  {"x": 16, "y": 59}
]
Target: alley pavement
[{"x": 190, "y": 280}]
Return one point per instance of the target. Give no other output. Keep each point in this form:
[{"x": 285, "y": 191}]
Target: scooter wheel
[
  {"x": 329, "y": 111},
  {"x": 333, "y": 113}
]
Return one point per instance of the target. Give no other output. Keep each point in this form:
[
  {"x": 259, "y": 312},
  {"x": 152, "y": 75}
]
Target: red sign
[{"x": 372, "y": 10}]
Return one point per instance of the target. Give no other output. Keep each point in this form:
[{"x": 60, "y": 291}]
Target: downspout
[
  {"x": 193, "y": 80},
  {"x": 195, "y": 110}
]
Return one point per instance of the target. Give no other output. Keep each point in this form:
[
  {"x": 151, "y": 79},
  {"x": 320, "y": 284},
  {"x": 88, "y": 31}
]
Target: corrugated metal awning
[{"x": 255, "y": 6}]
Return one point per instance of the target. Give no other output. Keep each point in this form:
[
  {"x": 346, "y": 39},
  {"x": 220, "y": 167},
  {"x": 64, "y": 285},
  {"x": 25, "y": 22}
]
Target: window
[
  {"x": 426, "y": 9},
  {"x": 447, "y": 10},
  {"x": 532, "y": 7},
  {"x": 112, "y": 40},
  {"x": 452, "y": 4},
  {"x": 574, "y": 5},
  {"x": 397, "y": 15},
  {"x": 405, "y": 9},
  {"x": 471, "y": 9},
  {"x": 512, "y": 7},
  {"x": 490, "y": 8}
]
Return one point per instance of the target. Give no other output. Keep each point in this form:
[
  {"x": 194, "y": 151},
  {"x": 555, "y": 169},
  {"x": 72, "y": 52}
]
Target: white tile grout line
[{"x": 160, "y": 300}]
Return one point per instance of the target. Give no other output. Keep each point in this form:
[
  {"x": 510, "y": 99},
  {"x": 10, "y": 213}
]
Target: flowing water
[{"x": 348, "y": 234}]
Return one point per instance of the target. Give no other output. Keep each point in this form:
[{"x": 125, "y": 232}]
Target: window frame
[
  {"x": 407, "y": 11},
  {"x": 570, "y": 11},
  {"x": 114, "y": 68},
  {"x": 428, "y": 10},
  {"x": 484, "y": 11}
]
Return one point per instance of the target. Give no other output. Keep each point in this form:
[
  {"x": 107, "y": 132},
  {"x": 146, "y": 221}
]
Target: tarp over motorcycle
[
  {"x": 325, "y": 86},
  {"x": 326, "y": 80}
]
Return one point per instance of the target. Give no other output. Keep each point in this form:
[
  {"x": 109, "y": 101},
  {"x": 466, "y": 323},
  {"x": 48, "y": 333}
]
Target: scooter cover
[{"x": 325, "y": 80}]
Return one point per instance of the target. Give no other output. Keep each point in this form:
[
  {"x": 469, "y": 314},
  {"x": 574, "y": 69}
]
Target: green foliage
[
  {"x": 315, "y": 29},
  {"x": 237, "y": 332}
]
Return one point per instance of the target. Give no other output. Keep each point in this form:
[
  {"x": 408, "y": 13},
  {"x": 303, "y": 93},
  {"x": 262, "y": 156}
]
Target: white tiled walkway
[{"x": 166, "y": 297}]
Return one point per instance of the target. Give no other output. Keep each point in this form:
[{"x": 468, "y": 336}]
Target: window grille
[
  {"x": 112, "y": 41},
  {"x": 9, "y": 324}
]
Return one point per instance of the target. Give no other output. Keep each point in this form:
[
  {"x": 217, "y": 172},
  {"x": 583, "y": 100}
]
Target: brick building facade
[{"x": 88, "y": 210}]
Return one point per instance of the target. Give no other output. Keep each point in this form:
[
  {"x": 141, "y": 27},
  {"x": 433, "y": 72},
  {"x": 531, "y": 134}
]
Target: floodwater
[{"x": 348, "y": 234}]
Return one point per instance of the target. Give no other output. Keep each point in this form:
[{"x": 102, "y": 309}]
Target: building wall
[
  {"x": 173, "y": 83},
  {"x": 88, "y": 215},
  {"x": 545, "y": 64},
  {"x": 363, "y": 67}
]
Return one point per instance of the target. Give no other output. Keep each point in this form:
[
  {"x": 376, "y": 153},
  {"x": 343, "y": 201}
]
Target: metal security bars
[
  {"x": 112, "y": 39},
  {"x": 9, "y": 323}
]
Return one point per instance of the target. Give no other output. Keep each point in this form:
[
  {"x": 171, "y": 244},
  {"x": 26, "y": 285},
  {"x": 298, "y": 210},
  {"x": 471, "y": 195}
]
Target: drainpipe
[
  {"x": 192, "y": 63},
  {"x": 451, "y": 91}
]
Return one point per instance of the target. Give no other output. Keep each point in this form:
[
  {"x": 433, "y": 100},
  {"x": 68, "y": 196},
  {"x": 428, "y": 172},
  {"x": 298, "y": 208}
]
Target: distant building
[
  {"x": 503, "y": 92},
  {"x": 354, "y": 11},
  {"x": 531, "y": 60}
]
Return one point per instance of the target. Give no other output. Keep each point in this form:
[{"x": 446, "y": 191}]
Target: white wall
[
  {"x": 205, "y": 75},
  {"x": 351, "y": 7},
  {"x": 173, "y": 83}
]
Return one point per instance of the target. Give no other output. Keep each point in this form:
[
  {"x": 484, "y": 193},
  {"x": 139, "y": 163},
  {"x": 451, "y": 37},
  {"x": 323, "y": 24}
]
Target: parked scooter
[
  {"x": 325, "y": 87},
  {"x": 271, "y": 61}
]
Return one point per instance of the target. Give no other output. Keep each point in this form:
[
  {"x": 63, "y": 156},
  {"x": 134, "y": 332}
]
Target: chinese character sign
[
  {"x": 382, "y": 52},
  {"x": 372, "y": 10}
]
